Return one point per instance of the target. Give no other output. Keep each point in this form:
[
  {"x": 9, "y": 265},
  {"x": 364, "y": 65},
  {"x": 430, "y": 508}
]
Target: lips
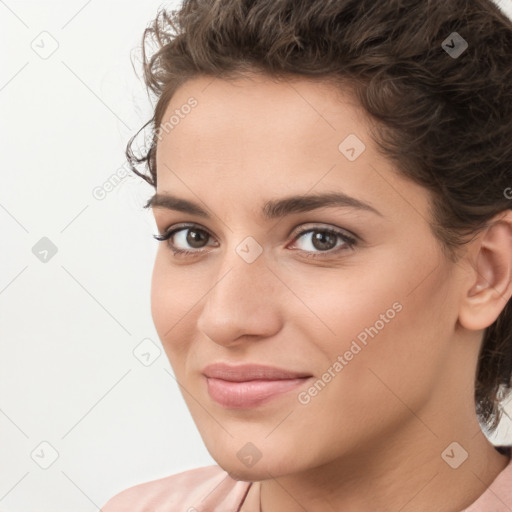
[
  {"x": 245, "y": 372},
  {"x": 249, "y": 385}
]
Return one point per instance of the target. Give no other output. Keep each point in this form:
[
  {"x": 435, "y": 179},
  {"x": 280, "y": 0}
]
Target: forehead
[
  {"x": 249, "y": 106},
  {"x": 264, "y": 135}
]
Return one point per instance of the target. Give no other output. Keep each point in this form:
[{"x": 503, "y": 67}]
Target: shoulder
[
  {"x": 498, "y": 496},
  {"x": 194, "y": 490}
]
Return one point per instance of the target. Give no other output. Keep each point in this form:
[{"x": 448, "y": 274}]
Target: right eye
[{"x": 194, "y": 236}]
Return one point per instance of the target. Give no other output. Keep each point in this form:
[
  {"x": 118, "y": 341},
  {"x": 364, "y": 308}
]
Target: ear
[{"x": 489, "y": 283}]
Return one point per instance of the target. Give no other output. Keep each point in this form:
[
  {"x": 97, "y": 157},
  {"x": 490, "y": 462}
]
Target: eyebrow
[{"x": 272, "y": 209}]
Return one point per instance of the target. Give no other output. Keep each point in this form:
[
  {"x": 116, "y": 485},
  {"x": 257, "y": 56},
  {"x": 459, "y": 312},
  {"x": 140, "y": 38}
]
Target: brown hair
[{"x": 445, "y": 120}]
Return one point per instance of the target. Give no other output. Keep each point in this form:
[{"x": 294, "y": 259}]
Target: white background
[{"x": 69, "y": 326}]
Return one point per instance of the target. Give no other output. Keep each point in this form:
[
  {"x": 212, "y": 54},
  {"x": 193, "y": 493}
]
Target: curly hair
[{"x": 444, "y": 120}]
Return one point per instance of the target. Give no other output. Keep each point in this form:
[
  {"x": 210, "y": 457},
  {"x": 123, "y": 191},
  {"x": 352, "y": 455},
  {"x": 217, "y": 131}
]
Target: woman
[{"x": 332, "y": 289}]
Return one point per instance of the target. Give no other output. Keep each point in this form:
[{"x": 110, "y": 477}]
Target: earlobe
[{"x": 490, "y": 280}]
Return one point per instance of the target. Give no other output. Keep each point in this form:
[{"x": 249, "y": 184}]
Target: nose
[{"x": 245, "y": 300}]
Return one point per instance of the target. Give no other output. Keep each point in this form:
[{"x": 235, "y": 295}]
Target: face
[{"x": 357, "y": 295}]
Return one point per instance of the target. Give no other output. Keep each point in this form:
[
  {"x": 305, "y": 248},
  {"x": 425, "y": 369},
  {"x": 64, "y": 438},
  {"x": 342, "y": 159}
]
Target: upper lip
[{"x": 244, "y": 372}]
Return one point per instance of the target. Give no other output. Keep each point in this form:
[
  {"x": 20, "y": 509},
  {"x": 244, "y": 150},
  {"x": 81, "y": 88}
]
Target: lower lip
[{"x": 242, "y": 395}]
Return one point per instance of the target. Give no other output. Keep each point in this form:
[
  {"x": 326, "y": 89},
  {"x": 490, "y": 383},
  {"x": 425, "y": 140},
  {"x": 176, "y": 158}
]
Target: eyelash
[{"x": 349, "y": 242}]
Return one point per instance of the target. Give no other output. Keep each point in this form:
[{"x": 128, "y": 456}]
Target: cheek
[
  {"x": 399, "y": 363},
  {"x": 172, "y": 298},
  {"x": 394, "y": 325},
  {"x": 161, "y": 296}
]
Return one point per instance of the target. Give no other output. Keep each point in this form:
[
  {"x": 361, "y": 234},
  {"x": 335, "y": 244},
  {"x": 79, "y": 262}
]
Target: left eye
[{"x": 324, "y": 240}]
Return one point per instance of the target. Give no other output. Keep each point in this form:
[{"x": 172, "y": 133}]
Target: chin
[
  {"x": 255, "y": 474},
  {"x": 261, "y": 470}
]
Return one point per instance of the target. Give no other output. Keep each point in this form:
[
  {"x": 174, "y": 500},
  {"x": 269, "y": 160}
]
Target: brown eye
[
  {"x": 190, "y": 240},
  {"x": 324, "y": 240},
  {"x": 195, "y": 237},
  {"x": 181, "y": 239}
]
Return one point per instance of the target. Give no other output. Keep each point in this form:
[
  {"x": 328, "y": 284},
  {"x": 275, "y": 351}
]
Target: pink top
[{"x": 211, "y": 489}]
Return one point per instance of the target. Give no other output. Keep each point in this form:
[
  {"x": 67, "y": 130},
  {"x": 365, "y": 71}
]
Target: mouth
[
  {"x": 244, "y": 395},
  {"x": 249, "y": 385}
]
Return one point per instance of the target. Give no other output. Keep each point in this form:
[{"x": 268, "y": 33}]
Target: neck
[{"x": 413, "y": 471}]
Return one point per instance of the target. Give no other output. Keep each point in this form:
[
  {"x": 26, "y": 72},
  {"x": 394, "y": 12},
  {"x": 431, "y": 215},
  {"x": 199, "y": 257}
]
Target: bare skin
[{"x": 377, "y": 436}]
